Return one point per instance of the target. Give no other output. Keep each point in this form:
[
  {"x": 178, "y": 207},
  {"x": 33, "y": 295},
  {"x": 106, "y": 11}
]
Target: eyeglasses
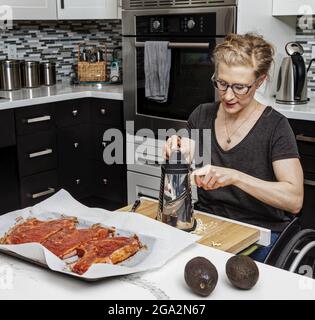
[{"x": 238, "y": 89}]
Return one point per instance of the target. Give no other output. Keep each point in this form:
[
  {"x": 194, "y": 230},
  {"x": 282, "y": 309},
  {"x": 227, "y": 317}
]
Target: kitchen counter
[
  {"x": 299, "y": 112},
  {"x": 64, "y": 91},
  {"x": 58, "y": 92},
  {"x": 32, "y": 282}
]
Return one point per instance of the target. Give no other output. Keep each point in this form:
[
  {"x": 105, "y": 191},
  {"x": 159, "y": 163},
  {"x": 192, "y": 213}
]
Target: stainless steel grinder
[{"x": 175, "y": 199}]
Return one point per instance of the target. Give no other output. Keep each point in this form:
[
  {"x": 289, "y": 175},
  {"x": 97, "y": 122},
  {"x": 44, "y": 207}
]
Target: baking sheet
[{"x": 163, "y": 242}]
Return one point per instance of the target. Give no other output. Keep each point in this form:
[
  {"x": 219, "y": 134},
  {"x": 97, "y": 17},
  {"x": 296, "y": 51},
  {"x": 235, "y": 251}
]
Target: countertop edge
[{"x": 60, "y": 97}]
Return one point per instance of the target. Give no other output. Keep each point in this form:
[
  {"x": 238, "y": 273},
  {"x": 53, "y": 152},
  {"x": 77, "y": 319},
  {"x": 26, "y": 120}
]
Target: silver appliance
[
  {"x": 193, "y": 29},
  {"x": 292, "y": 77},
  {"x": 175, "y": 199},
  {"x": 10, "y": 74},
  {"x": 48, "y": 73},
  {"x": 30, "y": 74}
]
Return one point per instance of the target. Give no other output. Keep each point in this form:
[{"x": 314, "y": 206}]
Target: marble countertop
[
  {"x": 58, "y": 92},
  {"x": 300, "y": 112},
  {"x": 64, "y": 91}
]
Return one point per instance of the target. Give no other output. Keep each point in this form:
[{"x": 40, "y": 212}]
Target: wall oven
[{"x": 192, "y": 32}]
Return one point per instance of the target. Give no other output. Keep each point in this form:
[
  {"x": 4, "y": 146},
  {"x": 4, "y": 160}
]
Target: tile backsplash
[
  {"x": 58, "y": 40},
  {"x": 305, "y": 35}
]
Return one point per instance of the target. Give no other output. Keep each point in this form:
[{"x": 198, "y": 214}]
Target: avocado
[
  {"x": 242, "y": 271},
  {"x": 201, "y": 276}
]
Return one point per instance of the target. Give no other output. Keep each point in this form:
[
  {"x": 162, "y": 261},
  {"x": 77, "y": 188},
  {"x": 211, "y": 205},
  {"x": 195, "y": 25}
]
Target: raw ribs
[
  {"x": 34, "y": 230},
  {"x": 64, "y": 243},
  {"x": 110, "y": 250}
]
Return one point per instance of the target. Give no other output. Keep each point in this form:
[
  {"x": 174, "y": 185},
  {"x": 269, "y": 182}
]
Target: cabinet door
[
  {"x": 72, "y": 112},
  {"x": 7, "y": 128},
  {"x": 293, "y": 7},
  {"x": 109, "y": 181},
  {"x": 82, "y": 9},
  {"x": 307, "y": 215},
  {"x": 32, "y": 9},
  {"x": 9, "y": 185}
]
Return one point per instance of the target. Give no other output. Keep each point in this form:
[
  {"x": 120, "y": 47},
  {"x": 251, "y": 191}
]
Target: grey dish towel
[{"x": 157, "y": 66}]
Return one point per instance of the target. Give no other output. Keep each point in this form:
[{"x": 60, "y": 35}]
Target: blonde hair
[{"x": 246, "y": 50}]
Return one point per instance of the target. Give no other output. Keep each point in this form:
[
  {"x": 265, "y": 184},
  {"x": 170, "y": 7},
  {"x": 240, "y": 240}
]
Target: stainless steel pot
[
  {"x": 10, "y": 74},
  {"x": 30, "y": 74},
  {"x": 48, "y": 73}
]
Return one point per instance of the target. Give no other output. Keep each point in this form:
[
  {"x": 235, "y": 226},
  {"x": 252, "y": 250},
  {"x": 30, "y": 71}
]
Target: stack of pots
[{"x": 15, "y": 74}]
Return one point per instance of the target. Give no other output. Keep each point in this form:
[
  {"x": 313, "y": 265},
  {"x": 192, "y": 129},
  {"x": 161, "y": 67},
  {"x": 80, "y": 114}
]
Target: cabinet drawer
[
  {"x": 98, "y": 145},
  {"x": 77, "y": 182},
  {"x": 7, "y": 128},
  {"x": 73, "y": 145},
  {"x": 38, "y": 187},
  {"x": 34, "y": 119},
  {"x": 109, "y": 182},
  {"x": 37, "y": 153},
  {"x": 72, "y": 112},
  {"x": 107, "y": 112}
]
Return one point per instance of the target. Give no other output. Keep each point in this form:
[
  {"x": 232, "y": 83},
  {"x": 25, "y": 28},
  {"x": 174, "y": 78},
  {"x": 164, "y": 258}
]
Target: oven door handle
[{"x": 181, "y": 45}]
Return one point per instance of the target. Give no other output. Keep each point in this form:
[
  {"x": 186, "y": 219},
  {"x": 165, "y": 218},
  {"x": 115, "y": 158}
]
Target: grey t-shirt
[{"x": 269, "y": 140}]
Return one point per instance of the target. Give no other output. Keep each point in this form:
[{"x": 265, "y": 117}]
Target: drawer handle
[
  {"x": 76, "y": 144},
  {"x": 40, "y": 153},
  {"x": 43, "y": 193},
  {"x": 38, "y": 119},
  {"x": 302, "y": 137},
  {"x": 105, "y": 181},
  {"x": 309, "y": 182},
  {"x": 75, "y": 113},
  {"x": 103, "y": 111},
  {"x": 78, "y": 181}
]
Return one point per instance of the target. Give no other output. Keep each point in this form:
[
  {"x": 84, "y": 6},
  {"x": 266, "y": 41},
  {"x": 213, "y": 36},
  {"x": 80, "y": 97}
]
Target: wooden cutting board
[{"x": 217, "y": 233}]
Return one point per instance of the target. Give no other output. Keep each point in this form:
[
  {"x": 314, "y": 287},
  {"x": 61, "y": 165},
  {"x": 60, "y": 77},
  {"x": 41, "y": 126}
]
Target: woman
[{"x": 255, "y": 174}]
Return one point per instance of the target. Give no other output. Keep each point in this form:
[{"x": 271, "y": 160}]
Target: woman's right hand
[{"x": 185, "y": 145}]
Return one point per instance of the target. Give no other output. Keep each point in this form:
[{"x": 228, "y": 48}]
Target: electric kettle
[
  {"x": 292, "y": 77},
  {"x": 175, "y": 199}
]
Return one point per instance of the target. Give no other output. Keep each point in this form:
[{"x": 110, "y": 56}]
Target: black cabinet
[
  {"x": 305, "y": 136},
  {"x": 74, "y": 167},
  {"x": 72, "y": 112},
  {"x": 108, "y": 181},
  {"x": 38, "y": 187},
  {"x": 107, "y": 112},
  {"x": 9, "y": 184},
  {"x": 60, "y": 145},
  {"x": 7, "y": 128},
  {"x": 37, "y": 152}
]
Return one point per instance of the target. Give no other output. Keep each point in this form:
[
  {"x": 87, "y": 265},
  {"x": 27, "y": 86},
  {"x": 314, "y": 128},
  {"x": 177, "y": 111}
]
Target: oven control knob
[
  {"x": 156, "y": 24},
  {"x": 191, "y": 24}
]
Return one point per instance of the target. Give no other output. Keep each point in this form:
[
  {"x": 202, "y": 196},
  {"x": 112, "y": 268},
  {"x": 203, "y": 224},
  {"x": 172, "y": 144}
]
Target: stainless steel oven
[{"x": 192, "y": 33}]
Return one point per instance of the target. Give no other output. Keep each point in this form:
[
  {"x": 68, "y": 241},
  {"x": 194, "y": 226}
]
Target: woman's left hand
[{"x": 213, "y": 177}]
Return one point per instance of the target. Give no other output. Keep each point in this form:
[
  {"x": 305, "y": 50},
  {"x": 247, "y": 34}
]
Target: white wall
[{"x": 256, "y": 16}]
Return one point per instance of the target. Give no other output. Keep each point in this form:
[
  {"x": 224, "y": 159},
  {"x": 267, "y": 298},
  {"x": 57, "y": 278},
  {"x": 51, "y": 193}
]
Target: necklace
[{"x": 229, "y": 136}]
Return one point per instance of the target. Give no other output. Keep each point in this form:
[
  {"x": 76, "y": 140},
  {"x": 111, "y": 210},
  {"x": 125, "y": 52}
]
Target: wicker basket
[{"x": 92, "y": 71}]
